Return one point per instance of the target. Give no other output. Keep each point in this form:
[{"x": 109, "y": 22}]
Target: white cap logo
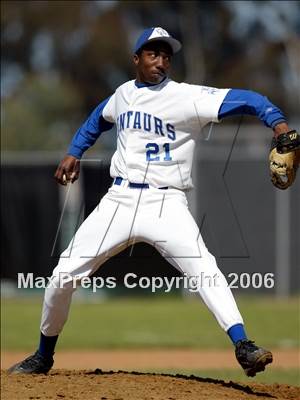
[{"x": 159, "y": 32}]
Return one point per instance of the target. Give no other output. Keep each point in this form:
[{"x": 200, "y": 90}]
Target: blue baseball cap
[{"x": 152, "y": 34}]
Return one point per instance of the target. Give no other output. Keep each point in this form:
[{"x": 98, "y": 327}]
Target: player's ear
[{"x": 136, "y": 59}]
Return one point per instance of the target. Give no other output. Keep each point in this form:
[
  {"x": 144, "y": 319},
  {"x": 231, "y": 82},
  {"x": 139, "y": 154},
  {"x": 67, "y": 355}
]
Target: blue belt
[{"x": 118, "y": 180}]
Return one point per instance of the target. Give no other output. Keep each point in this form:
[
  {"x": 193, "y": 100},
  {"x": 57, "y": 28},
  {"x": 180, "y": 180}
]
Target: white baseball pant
[{"x": 125, "y": 216}]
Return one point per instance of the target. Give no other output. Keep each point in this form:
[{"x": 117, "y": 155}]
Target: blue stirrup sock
[
  {"x": 47, "y": 345},
  {"x": 236, "y": 333}
]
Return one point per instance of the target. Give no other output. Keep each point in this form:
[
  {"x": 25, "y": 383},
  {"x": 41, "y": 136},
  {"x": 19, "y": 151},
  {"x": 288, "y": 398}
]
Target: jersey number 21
[{"x": 153, "y": 150}]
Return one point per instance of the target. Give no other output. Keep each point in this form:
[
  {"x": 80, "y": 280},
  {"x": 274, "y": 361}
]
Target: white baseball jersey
[{"x": 157, "y": 128}]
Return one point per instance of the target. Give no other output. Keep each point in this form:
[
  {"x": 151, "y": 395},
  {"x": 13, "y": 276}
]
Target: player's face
[{"x": 153, "y": 63}]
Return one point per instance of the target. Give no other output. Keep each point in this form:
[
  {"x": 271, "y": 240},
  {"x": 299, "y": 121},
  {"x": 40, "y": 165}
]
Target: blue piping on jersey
[
  {"x": 146, "y": 84},
  {"x": 240, "y": 102},
  {"x": 89, "y": 131}
]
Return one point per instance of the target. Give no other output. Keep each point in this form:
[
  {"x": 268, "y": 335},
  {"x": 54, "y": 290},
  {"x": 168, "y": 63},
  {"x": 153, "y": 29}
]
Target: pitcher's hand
[{"x": 68, "y": 170}]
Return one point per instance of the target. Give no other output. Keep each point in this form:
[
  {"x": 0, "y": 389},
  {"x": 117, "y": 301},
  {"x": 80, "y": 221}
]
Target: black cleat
[
  {"x": 34, "y": 364},
  {"x": 253, "y": 359}
]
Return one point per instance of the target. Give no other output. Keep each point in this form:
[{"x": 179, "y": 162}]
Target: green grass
[
  {"x": 150, "y": 322},
  {"x": 289, "y": 376}
]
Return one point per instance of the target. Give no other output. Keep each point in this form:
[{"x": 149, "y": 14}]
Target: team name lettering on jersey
[{"x": 145, "y": 122}]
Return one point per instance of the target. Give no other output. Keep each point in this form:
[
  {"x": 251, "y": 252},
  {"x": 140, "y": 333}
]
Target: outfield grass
[{"x": 150, "y": 322}]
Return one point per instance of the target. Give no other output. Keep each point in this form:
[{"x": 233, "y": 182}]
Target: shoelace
[
  {"x": 31, "y": 361},
  {"x": 248, "y": 346}
]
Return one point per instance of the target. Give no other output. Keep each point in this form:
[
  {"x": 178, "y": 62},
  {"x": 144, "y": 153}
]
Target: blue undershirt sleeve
[
  {"x": 89, "y": 131},
  {"x": 240, "y": 102}
]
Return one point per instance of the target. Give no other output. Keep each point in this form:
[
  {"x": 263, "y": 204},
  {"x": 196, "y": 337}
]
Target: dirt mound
[{"x": 100, "y": 385}]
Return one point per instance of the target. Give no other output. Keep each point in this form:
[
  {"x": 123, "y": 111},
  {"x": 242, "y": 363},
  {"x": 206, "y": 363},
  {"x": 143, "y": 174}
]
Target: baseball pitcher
[{"x": 158, "y": 121}]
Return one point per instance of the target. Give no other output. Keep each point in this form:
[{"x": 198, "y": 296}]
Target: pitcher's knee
[{"x": 61, "y": 282}]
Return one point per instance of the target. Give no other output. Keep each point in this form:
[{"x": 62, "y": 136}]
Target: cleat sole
[{"x": 259, "y": 365}]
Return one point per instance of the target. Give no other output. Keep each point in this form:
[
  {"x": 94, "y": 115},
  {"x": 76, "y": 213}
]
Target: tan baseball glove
[{"x": 284, "y": 159}]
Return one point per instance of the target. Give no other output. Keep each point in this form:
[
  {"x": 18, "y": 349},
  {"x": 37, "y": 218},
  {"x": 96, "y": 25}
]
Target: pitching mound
[{"x": 99, "y": 385}]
